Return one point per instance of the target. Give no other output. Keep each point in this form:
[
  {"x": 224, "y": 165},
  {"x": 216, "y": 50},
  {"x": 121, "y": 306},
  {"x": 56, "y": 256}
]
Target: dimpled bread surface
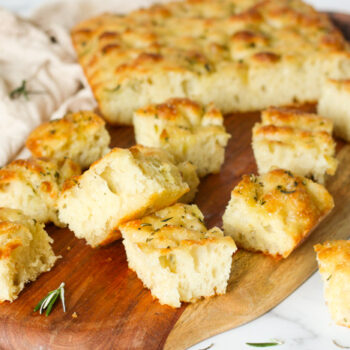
[
  {"x": 296, "y": 141},
  {"x": 273, "y": 213},
  {"x": 240, "y": 54},
  {"x": 176, "y": 256}
]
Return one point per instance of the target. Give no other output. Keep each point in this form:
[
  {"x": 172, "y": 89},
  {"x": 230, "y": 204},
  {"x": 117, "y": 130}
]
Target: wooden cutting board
[{"x": 113, "y": 309}]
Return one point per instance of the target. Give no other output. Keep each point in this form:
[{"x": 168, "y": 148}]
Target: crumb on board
[
  {"x": 74, "y": 315},
  {"x": 109, "y": 259},
  {"x": 68, "y": 248}
]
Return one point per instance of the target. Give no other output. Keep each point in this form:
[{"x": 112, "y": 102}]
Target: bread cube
[
  {"x": 295, "y": 141},
  {"x": 176, "y": 257},
  {"x": 187, "y": 170},
  {"x": 33, "y": 185},
  {"x": 334, "y": 104},
  {"x": 334, "y": 265},
  {"x": 80, "y": 136},
  {"x": 187, "y": 130},
  {"x": 273, "y": 213},
  {"x": 25, "y": 252},
  {"x": 123, "y": 185}
]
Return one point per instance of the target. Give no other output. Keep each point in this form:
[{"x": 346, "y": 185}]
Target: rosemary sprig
[
  {"x": 48, "y": 302},
  {"x": 265, "y": 345},
  {"x": 23, "y": 91}
]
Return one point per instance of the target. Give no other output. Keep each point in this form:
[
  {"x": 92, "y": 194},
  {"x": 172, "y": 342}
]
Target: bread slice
[
  {"x": 334, "y": 104},
  {"x": 334, "y": 265},
  {"x": 25, "y": 252},
  {"x": 176, "y": 257},
  {"x": 273, "y": 213},
  {"x": 33, "y": 185},
  {"x": 123, "y": 185},
  {"x": 240, "y": 54},
  {"x": 80, "y": 136},
  {"x": 187, "y": 130},
  {"x": 296, "y": 141}
]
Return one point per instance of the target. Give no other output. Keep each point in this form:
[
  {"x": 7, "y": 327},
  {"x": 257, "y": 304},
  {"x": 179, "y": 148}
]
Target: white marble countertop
[{"x": 301, "y": 321}]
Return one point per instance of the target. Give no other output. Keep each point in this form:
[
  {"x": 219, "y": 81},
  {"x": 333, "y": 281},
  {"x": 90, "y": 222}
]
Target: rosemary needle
[
  {"x": 23, "y": 91},
  {"x": 265, "y": 345},
  {"x": 48, "y": 302}
]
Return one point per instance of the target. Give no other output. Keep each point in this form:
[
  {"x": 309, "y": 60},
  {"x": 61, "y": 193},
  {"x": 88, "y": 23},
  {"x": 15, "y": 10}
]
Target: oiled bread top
[
  {"x": 201, "y": 37},
  {"x": 294, "y": 200}
]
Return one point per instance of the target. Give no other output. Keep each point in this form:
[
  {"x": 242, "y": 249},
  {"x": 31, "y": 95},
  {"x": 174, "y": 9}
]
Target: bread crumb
[
  {"x": 109, "y": 259},
  {"x": 68, "y": 248},
  {"x": 74, "y": 315}
]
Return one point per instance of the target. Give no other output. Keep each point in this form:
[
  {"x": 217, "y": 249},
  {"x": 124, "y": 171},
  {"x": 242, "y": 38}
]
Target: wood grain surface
[{"x": 113, "y": 309}]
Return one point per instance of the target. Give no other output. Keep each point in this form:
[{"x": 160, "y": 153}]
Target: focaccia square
[
  {"x": 240, "y": 54},
  {"x": 123, "y": 185},
  {"x": 33, "y": 186},
  {"x": 25, "y": 252},
  {"x": 80, "y": 136},
  {"x": 176, "y": 257},
  {"x": 187, "y": 130},
  {"x": 335, "y": 105},
  {"x": 334, "y": 265},
  {"x": 273, "y": 213},
  {"x": 296, "y": 141}
]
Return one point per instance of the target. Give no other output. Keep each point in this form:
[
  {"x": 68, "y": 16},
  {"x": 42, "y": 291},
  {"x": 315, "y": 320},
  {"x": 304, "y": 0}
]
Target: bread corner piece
[
  {"x": 80, "y": 136},
  {"x": 334, "y": 104},
  {"x": 176, "y": 257},
  {"x": 294, "y": 140},
  {"x": 25, "y": 252},
  {"x": 334, "y": 265},
  {"x": 273, "y": 213},
  {"x": 189, "y": 131},
  {"x": 33, "y": 186},
  {"x": 123, "y": 185}
]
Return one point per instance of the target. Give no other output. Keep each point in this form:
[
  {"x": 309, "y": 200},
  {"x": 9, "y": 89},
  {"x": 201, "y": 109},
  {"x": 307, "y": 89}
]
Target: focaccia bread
[
  {"x": 335, "y": 105},
  {"x": 176, "y": 257},
  {"x": 240, "y": 54},
  {"x": 273, "y": 213},
  {"x": 33, "y": 185},
  {"x": 25, "y": 252},
  {"x": 187, "y": 130},
  {"x": 296, "y": 141},
  {"x": 123, "y": 185},
  {"x": 334, "y": 265},
  {"x": 80, "y": 136}
]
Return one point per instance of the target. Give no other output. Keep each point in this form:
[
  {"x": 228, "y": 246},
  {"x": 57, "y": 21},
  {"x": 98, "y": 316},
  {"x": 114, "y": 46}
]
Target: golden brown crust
[
  {"x": 333, "y": 254},
  {"x": 56, "y": 138},
  {"x": 197, "y": 39},
  {"x": 292, "y": 117},
  {"x": 181, "y": 111},
  {"x": 289, "y": 138},
  {"x": 180, "y": 225},
  {"x": 282, "y": 194}
]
